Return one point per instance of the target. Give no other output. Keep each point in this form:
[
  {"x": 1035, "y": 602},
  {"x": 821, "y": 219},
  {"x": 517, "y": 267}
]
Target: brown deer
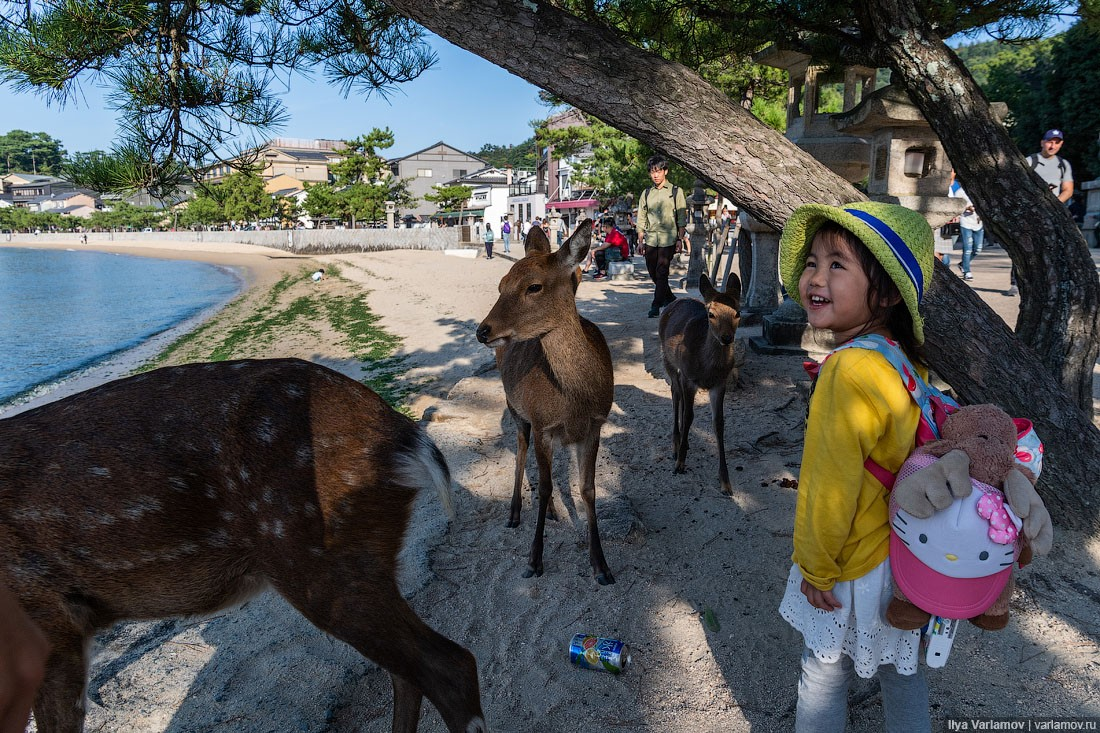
[
  {"x": 698, "y": 351},
  {"x": 190, "y": 488},
  {"x": 557, "y": 376}
]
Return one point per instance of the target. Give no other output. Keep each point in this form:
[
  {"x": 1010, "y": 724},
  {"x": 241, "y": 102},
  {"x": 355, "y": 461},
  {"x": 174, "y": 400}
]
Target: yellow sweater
[{"x": 859, "y": 408}]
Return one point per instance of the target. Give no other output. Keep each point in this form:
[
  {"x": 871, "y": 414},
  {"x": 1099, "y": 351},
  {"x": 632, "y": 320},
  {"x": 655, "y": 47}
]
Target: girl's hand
[{"x": 823, "y": 599}]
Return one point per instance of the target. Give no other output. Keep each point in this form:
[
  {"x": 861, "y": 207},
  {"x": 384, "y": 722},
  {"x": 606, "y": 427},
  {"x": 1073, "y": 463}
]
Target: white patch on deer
[
  {"x": 141, "y": 507},
  {"x": 351, "y": 478},
  {"x": 178, "y": 483},
  {"x": 216, "y": 446},
  {"x": 266, "y": 431},
  {"x": 293, "y": 390},
  {"x": 99, "y": 471},
  {"x": 316, "y": 551},
  {"x": 244, "y": 473},
  {"x": 253, "y": 506},
  {"x": 227, "y": 516},
  {"x": 278, "y": 528},
  {"x": 210, "y": 492},
  {"x": 268, "y": 495},
  {"x": 310, "y": 510},
  {"x": 303, "y": 456}
]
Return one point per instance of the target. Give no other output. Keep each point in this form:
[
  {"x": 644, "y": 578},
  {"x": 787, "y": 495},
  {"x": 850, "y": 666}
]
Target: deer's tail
[{"x": 420, "y": 463}]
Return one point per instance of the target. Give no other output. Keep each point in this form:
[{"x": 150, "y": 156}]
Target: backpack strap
[{"x": 934, "y": 405}]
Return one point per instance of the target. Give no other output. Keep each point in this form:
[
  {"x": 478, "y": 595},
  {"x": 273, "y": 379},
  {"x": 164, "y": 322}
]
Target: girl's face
[{"x": 834, "y": 289}]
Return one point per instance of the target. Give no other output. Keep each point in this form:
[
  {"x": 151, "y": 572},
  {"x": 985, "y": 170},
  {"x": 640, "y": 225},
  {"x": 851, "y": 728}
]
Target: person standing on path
[
  {"x": 1055, "y": 171},
  {"x": 488, "y": 241},
  {"x": 662, "y": 222},
  {"x": 971, "y": 229},
  {"x": 506, "y": 235}
]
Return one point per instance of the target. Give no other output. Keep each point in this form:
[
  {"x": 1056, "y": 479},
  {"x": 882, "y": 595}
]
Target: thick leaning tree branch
[{"x": 669, "y": 107}]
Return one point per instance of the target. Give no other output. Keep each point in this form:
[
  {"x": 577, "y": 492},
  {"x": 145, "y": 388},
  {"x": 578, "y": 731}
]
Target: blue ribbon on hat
[{"x": 897, "y": 245}]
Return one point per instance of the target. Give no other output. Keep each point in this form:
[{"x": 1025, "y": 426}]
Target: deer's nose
[
  {"x": 727, "y": 340},
  {"x": 483, "y": 333}
]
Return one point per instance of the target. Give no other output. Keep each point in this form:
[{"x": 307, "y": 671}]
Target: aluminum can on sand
[{"x": 593, "y": 652}]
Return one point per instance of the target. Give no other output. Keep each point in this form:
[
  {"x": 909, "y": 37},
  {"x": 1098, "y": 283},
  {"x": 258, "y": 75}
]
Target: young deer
[
  {"x": 697, "y": 346},
  {"x": 557, "y": 376},
  {"x": 188, "y": 489}
]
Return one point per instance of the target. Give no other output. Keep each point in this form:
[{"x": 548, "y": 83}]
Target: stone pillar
[
  {"x": 697, "y": 230},
  {"x": 762, "y": 292},
  {"x": 391, "y": 210}
]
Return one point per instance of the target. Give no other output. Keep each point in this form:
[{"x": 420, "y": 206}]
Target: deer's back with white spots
[{"x": 187, "y": 489}]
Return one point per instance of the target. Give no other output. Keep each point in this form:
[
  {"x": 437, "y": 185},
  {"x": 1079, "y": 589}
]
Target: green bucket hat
[{"x": 899, "y": 238}]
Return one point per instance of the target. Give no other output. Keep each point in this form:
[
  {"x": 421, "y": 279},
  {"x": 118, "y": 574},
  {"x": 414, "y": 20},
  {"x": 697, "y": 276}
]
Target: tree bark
[
  {"x": 669, "y": 107},
  {"x": 1059, "y": 288}
]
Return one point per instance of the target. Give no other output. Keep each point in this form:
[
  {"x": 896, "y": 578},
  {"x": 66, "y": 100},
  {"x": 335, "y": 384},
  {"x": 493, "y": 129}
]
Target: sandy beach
[{"x": 699, "y": 574}]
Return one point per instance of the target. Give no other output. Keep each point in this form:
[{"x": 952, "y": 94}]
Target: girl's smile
[{"x": 834, "y": 289}]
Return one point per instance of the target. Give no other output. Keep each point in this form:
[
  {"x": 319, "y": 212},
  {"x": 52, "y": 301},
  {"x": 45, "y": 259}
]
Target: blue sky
[{"x": 463, "y": 100}]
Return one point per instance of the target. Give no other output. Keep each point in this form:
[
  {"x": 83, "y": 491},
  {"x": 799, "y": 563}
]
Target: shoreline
[{"x": 251, "y": 265}]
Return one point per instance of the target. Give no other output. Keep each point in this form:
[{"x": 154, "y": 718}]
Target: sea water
[{"x": 63, "y": 311}]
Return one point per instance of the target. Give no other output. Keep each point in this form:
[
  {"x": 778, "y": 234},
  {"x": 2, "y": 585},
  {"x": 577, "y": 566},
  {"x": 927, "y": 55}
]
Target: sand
[{"x": 678, "y": 548}]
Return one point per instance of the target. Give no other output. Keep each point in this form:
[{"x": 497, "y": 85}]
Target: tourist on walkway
[{"x": 662, "y": 222}]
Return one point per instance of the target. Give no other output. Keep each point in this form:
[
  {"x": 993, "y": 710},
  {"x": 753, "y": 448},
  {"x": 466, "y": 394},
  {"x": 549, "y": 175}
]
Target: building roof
[
  {"x": 488, "y": 175},
  {"x": 316, "y": 156},
  {"x": 435, "y": 145}
]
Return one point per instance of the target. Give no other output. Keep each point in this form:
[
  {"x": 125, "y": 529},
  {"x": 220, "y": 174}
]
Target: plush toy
[{"x": 964, "y": 509}]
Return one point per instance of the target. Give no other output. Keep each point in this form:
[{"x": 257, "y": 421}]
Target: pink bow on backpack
[{"x": 1002, "y": 529}]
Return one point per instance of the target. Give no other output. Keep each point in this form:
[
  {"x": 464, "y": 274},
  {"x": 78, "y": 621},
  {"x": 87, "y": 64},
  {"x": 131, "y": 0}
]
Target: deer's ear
[
  {"x": 536, "y": 242},
  {"x": 733, "y": 288},
  {"x": 575, "y": 249},
  {"x": 706, "y": 289}
]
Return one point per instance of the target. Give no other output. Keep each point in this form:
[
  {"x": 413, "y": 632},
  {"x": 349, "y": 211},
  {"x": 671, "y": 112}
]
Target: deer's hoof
[
  {"x": 533, "y": 571},
  {"x": 679, "y": 468},
  {"x": 513, "y": 522},
  {"x": 727, "y": 488},
  {"x": 605, "y": 578}
]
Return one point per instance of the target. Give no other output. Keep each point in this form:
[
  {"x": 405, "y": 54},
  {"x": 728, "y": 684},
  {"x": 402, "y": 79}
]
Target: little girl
[{"x": 858, "y": 271}]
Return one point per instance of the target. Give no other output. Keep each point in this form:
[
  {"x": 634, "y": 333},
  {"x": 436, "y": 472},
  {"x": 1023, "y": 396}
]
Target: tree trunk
[
  {"x": 1059, "y": 289},
  {"x": 669, "y": 107}
]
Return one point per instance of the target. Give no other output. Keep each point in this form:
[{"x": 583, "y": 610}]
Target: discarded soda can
[{"x": 593, "y": 652}]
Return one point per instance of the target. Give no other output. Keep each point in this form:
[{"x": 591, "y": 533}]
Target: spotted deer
[
  {"x": 698, "y": 351},
  {"x": 556, "y": 370},
  {"x": 187, "y": 489}
]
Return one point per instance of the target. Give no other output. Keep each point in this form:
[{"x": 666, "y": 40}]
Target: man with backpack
[
  {"x": 662, "y": 222},
  {"x": 1055, "y": 171}
]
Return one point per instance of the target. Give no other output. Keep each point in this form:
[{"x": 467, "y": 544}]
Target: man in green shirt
[{"x": 662, "y": 221}]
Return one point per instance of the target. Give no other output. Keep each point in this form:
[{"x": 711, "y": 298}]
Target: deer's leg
[
  {"x": 544, "y": 456},
  {"x": 59, "y": 705},
  {"x": 354, "y": 597},
  {"x": 718, "y": 410},
  {"x": 586, "y": 461},
  {"x": 406, "y": 704},
  {"x": 523, "y": 440},
  {"x": 687, "y": 410},
  {"x": 677, "y": 398}
]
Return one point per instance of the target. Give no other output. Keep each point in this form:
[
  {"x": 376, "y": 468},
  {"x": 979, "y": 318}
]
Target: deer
[
  {"x": 557, "y": 376},
  {"x": 697, "y": 347},
  {"x": 188, "y": 489}
]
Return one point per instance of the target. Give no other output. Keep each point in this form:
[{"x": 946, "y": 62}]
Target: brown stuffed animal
[{"x": 979, "y": 441}]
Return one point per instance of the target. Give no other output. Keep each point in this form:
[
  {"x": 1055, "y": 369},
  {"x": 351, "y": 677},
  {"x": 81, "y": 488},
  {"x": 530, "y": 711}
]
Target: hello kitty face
[{"x": 973, "y": 538}]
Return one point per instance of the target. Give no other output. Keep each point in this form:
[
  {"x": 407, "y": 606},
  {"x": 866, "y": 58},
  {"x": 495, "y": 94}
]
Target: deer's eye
[
  {"x": 532, "y": 289},
  {"x": 710, "y": 315}
]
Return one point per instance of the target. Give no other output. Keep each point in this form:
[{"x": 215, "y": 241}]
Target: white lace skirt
[{"x": 858, "y": 628}]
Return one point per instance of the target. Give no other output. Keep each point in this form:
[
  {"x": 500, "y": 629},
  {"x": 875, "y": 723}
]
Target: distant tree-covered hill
[{"x": 517, "y": 156}]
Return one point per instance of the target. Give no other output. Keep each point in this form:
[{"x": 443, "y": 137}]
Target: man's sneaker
[
  {"x": 601, "y": 276},
  {"x": 967, "y": 276},
  {"x": 1012, "y": 292},
  {"x": 654, "y": 311}
]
